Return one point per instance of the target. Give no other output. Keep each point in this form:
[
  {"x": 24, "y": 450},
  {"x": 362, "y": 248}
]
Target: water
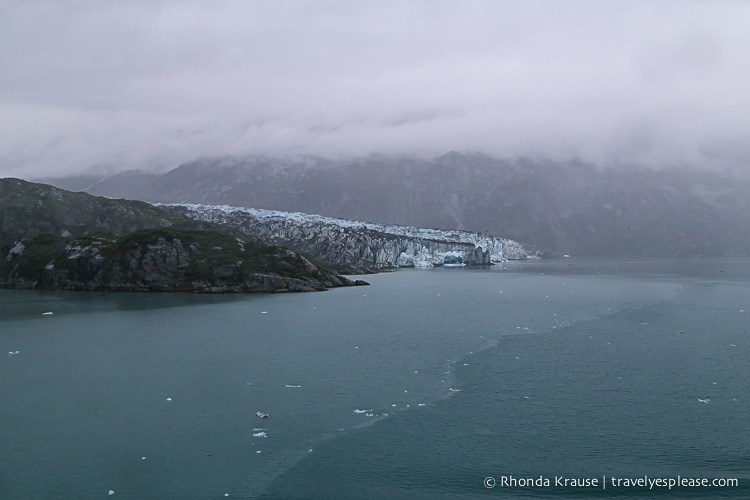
[{"x": 588, "y": 369}]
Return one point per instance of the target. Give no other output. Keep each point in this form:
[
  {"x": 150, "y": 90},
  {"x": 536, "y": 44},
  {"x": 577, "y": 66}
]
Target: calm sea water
[{"x": 419, "y": 386}]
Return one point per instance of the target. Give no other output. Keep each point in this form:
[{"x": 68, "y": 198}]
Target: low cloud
[{"x": 136, "y": 84}]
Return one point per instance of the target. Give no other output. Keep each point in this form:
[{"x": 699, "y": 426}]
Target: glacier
[{"x": 357, "y": 247}]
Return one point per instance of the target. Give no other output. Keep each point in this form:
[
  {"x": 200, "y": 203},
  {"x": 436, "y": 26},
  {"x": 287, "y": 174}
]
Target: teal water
[{"x": 573, "y": 368}]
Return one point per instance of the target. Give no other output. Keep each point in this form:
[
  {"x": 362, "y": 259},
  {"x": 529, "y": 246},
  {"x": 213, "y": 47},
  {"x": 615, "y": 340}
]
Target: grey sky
[{"x": 141, "y": 84}]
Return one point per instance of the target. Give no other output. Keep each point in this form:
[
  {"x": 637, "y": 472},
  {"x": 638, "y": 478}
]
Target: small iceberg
[
  {"x": 362, "y": 411},
  {"x": 260, "y": 434},
  {"x": 169, "y": 399},
  {"x": 260, "y": 414},
  {"x": 454, "y": 390},
  {"x": 293, "y": 386},
  {"x": 50, "y": 313},
  {"x": 706, "y": 401},
  {"x": 111, "y": 492}
]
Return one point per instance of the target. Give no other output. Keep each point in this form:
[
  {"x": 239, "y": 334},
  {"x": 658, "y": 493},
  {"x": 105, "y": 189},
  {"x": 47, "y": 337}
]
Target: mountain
[
  {"x": 55, "y": 239},
  {"x": 566, "y": 208}
]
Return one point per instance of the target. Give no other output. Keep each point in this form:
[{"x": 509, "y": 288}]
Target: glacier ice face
[{"x": 364, "y": 245}]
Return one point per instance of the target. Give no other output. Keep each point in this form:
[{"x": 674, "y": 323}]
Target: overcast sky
[{"x": 149, "y": 84}]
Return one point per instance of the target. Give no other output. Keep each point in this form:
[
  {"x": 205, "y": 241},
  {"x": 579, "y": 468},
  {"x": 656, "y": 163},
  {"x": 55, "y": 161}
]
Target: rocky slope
[{"x": 53, "y": 239}]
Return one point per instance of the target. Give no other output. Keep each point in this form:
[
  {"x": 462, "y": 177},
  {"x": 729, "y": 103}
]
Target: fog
[{"x": 135, "y": 84}]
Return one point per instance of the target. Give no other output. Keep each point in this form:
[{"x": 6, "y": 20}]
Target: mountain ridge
[{"x": 565, "y": 208}]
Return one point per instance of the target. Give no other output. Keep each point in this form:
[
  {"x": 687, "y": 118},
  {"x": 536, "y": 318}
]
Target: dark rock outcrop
[{"x": 162, "y": 260}]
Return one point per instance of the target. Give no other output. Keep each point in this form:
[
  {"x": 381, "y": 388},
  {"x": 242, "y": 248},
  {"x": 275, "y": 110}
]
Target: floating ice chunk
[
  {"x": 394, "y": 404},
  {"x": 356, "y": 347},
  {"x": 169, "y": 399},
  {"x": 732, "y": 345},
  {"x": 226, "y": 494},
  {"x": 405, "y": 390},
  {"x": 466, "y": 364},
  {"x": 416, "y": 371},
  {"x": 706, "y": 401},
  {"x": 256, "y": 429},
  {"x": 260, "y": 434},
  {"x": 50, "y": 313},
  {"x": 143, "y": 458},
  {"x": 369, "y": 414},
  {"x": 257, "y": 451},
  {"x": 422, "y": 404},
  {"x": 310, "y": 450},
  {"x": 454, "y": 390},
  {"x": 264, "y": 312},
  {"x": 111, "y": 492},
  {"x": 293, "y": 386},
  {"x": 361, "y": 411}
]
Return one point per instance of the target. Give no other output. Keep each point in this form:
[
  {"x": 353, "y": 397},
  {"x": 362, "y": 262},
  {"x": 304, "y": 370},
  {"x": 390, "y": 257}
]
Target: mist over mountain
[{"x": 566, "y": 208}]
